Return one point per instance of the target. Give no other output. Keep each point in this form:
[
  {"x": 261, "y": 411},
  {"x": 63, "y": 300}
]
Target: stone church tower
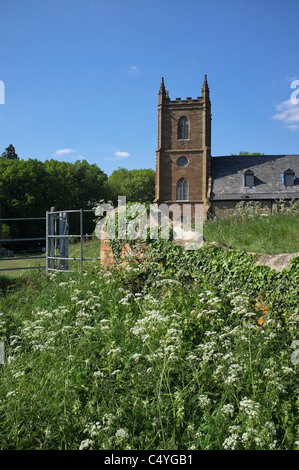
[{"x": 184, "y": 149}]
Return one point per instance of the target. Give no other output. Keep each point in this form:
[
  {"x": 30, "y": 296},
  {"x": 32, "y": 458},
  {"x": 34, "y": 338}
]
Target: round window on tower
[{"x": 182, "y": 162}]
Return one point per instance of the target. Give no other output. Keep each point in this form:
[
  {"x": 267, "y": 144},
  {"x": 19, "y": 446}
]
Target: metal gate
[{"x": 57, "y": 240}]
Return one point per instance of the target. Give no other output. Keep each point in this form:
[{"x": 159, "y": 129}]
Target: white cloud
[
  {"x": 122, "y": 154},
  {"x": 134, "y": 69},
  {"x": 119, "y": 155},
  {"x": 288, "y": 113},
  {"x": 64, "y": 151}
]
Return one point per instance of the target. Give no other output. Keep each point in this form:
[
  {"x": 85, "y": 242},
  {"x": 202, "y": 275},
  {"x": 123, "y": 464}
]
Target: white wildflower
[
  {"x": 18, "y": 374},
  {"x": 93, "y": 429},
  {"x": 233, "y": 371},
  {"x": 108, "y": 419},
  {"x": 250, "y": 407},
  {"x": 227, "y": 410},
  {"x": 136, "y": 357},
  {"x": 230, "y": 442},
  {"x": 288, "y": 370},
  {"x": 98, "y": 373},
  {"x": 271, "y": 427},
  {"x": 121, "y": 434},
  {"x": 85, "y": 444},
  {"x": 204, "y": 401},
  {"x": 114, "y": 352}
]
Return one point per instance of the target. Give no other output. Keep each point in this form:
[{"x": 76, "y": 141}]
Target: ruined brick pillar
[{"x": 106, "y": 255}]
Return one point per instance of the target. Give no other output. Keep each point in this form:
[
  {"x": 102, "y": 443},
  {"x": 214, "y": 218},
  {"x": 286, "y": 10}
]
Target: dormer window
[
  {"x": 248, "y": 179},
  {"x": 288, "y": 177}
]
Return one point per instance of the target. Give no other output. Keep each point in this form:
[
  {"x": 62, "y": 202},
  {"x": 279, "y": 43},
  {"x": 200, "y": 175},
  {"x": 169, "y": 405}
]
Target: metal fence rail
[
  {"x": 56, "y": 240},
  {"x": 8, "y": 240}
]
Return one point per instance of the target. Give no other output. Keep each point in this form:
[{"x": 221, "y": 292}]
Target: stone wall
[
  {"x": 106, "y": 255},
  {"x": 186, "y": 238},
  {"x": 223, "y": 209}
]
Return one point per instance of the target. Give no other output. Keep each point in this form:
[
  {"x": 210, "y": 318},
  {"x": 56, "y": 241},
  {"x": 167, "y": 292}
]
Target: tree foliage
[
  {"x": 29, "y": 188},
  {"x": 245, "y": 153},
  {"x": 10, "y": 153},
  {"x": 136, "y": 185}
]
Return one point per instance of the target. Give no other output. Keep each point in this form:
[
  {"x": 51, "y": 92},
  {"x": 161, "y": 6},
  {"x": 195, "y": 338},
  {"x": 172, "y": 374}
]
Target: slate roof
[{"x": 228, "y": 177}]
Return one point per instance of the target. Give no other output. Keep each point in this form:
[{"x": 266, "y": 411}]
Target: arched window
[
  {"x": 182, "y": 190},
  {"x": 183, "y": 128}
]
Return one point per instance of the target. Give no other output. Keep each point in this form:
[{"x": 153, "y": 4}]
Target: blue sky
[{"x": 82, "y": 77}]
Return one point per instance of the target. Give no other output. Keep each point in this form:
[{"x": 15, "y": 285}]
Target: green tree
[
  {"x": 136, "y": 185},
  {"x": 22, "y": 195},
  {"x": 10, "y": 153},
  {"x": 245, "y": 153},
  {"x": 28, "y": 188},
  {"x": 74, "y": 185}
]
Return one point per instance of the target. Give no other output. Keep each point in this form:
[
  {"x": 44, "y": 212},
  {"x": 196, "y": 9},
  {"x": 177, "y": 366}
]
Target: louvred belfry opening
[{"x": 183, "y": 128}]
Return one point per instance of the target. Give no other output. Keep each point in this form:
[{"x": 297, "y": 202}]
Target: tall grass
[
  {"x": 149, "y": 356},
  {"x": 259, "y": 233}
]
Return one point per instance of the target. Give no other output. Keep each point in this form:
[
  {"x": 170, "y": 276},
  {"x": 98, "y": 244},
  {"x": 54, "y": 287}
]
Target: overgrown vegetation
[
  {"x": 245, "y": 153},
  {"x": 184, "y": 350},
  {"x": 254, "y": 229}
]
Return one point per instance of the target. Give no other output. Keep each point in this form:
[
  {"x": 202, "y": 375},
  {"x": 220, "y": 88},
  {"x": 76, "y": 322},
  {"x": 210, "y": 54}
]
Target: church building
[{"x": 187, "y": 174}]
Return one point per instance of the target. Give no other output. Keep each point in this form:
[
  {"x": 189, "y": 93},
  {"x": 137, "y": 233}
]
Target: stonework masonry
[
  {"x": 218, "y": 183},
  {"x": 196, "y": 148}
]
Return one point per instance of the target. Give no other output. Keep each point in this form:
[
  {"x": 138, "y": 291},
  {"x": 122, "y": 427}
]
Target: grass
[
  {"x": 14, "y": 262},
  {"x": 91, "y": 249},
  {"x": 185, "y": 350},
  {"x": 166, "y": 354},
  {"x": 272, "y": 235}
]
